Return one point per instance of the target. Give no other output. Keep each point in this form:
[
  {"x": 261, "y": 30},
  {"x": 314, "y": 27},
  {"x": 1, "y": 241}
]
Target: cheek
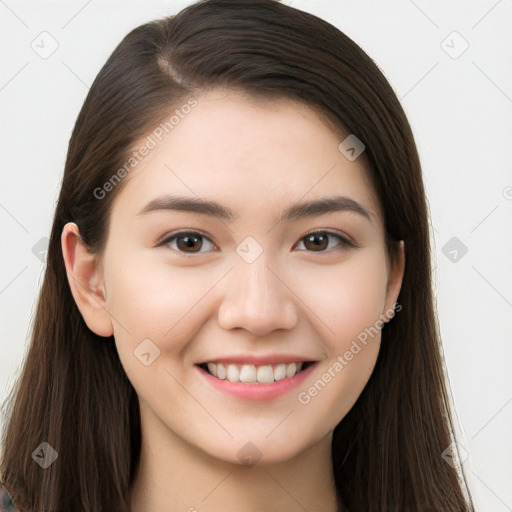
[
  {"x": 348, "y": 301},
  {"x": 347, "y": 298},
  {"x": 156, "y": 302}
]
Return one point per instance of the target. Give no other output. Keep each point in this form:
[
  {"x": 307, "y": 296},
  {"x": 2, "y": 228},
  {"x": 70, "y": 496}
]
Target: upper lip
[{"x": 259, "y": 360}]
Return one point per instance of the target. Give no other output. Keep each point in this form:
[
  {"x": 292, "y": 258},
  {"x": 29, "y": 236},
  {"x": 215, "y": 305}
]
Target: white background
[{"x": 460, "y": 111}]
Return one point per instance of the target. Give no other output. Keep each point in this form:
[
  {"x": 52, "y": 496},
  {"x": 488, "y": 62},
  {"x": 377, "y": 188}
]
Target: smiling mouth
[{"x": 255, "y": 374}]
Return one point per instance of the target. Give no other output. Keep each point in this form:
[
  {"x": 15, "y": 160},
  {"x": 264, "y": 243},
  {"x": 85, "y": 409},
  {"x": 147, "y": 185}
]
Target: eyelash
[{"x": 344, "y": 242}]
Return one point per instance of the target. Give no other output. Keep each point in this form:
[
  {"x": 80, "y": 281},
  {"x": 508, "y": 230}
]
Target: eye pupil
[
  {"x": 314, "y": 238},
  {"x": 189, "y": 241}
]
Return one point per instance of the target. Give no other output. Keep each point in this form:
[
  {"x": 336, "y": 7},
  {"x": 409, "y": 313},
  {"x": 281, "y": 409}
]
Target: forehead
[{"x": 247, "y": 153}]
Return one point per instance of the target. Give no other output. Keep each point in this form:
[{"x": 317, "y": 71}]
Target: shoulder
[{"x": 6, "y": 502}]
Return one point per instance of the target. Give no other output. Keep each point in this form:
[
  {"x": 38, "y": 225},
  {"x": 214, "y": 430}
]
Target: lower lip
[{"x": 256, "y": 390}]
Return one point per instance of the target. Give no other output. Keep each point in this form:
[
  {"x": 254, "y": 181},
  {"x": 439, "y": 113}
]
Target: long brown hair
[{"x": 73, "y": 392}]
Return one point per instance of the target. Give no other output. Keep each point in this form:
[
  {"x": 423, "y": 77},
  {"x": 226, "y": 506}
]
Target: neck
[{"x": 176, "y": 476}]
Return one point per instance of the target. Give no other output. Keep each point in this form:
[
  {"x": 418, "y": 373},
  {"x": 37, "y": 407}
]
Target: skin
[{"x": 293, "y": 298}]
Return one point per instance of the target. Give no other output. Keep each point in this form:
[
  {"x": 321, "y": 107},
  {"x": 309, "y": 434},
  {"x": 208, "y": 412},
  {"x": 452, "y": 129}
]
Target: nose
[{"x": 258, "y": 299}]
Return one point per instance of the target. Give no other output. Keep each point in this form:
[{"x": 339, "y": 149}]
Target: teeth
[
  {"x": 280, "y": 372},
  {"x": 233, "y": 373},
  {"x": 265, "y": 373},
  {"x": 291, "y": 370},
  {"x": 212, "y": 368},
  {"x": 249, "y": 373},
  {"x": 219, "y": 370}
]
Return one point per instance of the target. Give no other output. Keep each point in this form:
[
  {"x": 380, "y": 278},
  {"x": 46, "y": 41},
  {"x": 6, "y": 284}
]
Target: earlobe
[
  {"x": 85, "y": 281},
  {"x": 395, "y": 279}
]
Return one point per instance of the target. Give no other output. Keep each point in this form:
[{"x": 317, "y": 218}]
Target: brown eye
[
  {"x": 187, "y": 242},
  {"x": 319, "y": 241}
]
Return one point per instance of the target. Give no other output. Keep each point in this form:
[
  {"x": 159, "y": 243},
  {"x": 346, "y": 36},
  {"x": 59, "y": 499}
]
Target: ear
[
  {"x": 395, "y": 277},
  {"x": 85, "y": 281}
]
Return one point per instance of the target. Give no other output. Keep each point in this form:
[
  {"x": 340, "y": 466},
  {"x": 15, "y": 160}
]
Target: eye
[
  {"x": 187, "y": 242},
  {"x": 319, "y": 241},
  {"x": 191, "y": 242}
]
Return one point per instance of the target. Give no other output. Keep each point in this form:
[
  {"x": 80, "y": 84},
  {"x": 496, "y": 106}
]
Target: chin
[{"x": 257, "y": 451}]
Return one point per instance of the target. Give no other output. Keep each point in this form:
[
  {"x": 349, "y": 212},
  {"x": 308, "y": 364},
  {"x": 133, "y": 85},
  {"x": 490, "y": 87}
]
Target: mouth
[{"x": 255, "y": 374}]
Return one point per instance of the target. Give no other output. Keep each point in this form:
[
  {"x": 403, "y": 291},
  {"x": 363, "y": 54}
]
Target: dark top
[{"x": 6, "y": 502}]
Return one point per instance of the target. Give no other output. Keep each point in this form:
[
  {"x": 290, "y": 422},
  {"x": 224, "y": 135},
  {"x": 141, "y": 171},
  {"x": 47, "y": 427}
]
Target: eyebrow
[{"x": 294, "y": 212}]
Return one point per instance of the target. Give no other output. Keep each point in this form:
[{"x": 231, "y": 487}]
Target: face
[{"x": 259, "y": 287}]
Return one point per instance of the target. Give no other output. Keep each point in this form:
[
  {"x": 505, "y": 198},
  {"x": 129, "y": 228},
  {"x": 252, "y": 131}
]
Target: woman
[{"x": 192, "y": 350}]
